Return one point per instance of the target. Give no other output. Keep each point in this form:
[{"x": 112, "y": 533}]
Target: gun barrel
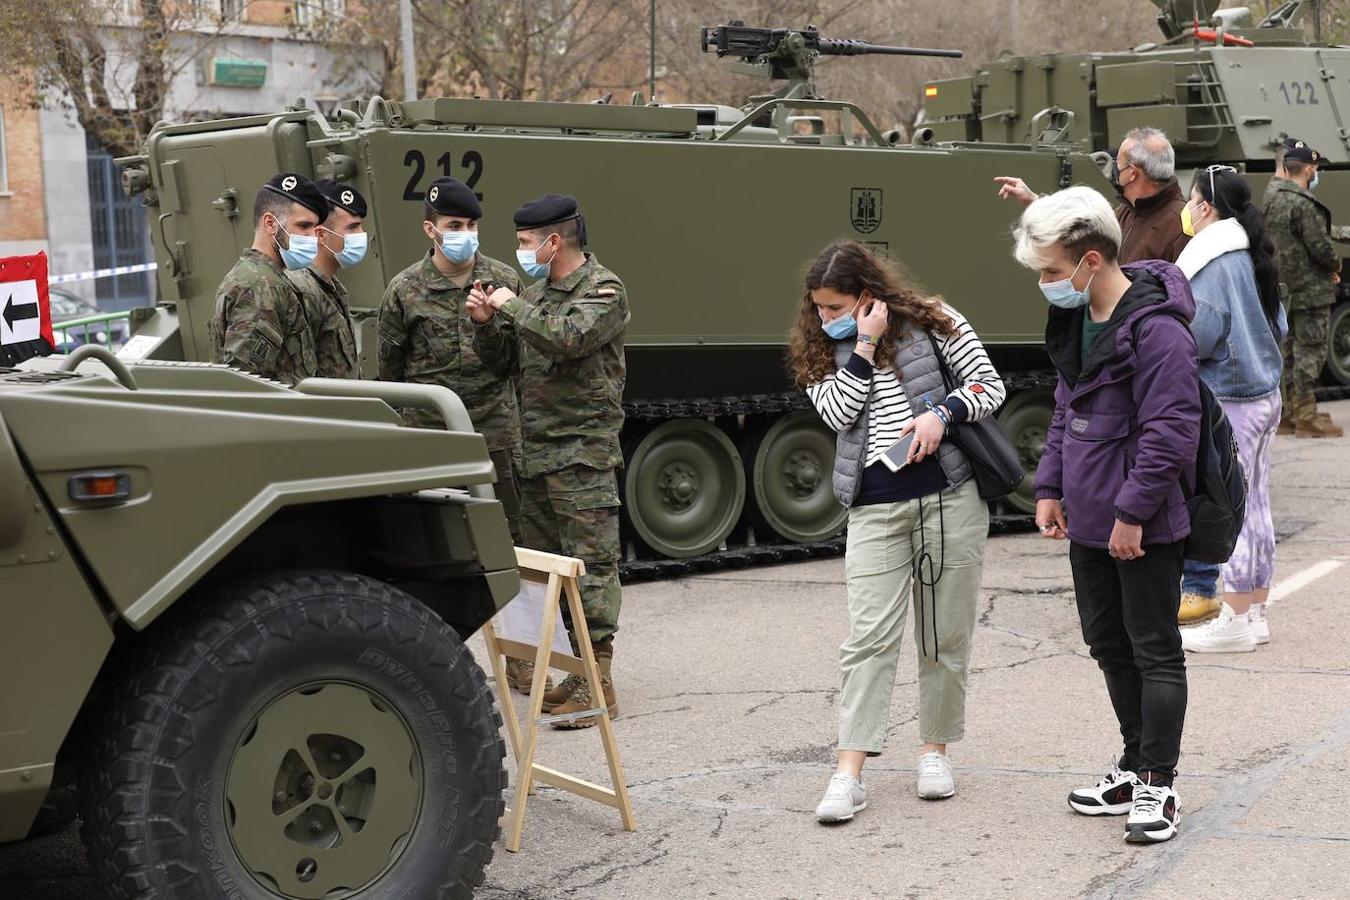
[{"x": 834, "y": 47}]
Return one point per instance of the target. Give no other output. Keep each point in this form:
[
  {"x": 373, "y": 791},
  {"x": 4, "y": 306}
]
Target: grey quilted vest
[{"x": 917, "y": 367}]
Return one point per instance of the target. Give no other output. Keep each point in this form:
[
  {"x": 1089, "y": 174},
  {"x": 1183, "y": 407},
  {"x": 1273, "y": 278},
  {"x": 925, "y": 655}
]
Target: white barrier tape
[{"x": 102, "y": 273}]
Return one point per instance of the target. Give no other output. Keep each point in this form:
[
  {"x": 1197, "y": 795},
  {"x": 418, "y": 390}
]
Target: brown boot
[
  {"x": 1317, "y": 428},
  {"x": 582, "y": 699},
  {"x": 520, "y": 676},
  {"x": 1196, "y": 608},
  {"x": 560, "y": 694}
]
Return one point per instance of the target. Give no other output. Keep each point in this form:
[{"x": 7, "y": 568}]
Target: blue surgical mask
[
  {"x": 844, "y": 327},
  {"x": 529, "y": 261},
  {"x": 459, "y": 246},
  {"x": 303, "y": 250},
  {"x": 1313, "y": 184},
  {"x": 353, "y": 249},
  {"x": 1063, "y": 294}
]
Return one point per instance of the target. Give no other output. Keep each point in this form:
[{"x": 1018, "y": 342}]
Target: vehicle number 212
[
  {"x": 471, "y": 162},
  {"x": 1299, "y": 93}
]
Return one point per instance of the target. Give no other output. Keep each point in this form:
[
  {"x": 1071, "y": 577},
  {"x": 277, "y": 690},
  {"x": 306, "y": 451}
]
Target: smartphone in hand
[{"x": 896, "y": 456}]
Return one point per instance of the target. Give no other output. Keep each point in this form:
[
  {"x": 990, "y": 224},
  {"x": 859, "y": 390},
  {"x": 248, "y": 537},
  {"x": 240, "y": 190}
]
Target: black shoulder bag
[{"x": 993, "y": 460}]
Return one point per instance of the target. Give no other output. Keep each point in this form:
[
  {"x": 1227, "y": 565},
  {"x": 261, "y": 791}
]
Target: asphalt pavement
[{"x": 728, "y": 685}]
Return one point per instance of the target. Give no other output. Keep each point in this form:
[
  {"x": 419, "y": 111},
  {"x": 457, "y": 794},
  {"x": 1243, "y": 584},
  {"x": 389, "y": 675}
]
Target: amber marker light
[
  {"x": 94, "y": 487},
  {"x": 930, "y": 91}
]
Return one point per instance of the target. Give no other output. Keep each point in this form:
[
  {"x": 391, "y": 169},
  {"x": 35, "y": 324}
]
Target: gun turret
[{"x": 788, "y": 54}]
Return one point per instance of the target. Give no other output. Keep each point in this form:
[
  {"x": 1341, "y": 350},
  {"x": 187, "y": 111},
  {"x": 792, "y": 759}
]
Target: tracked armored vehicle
[{"x": 234, "y": 623}]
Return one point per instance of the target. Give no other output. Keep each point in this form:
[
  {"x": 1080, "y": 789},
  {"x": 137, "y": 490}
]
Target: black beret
[
  {"x": 1297, "y": 150},
  {"x": 452, "y": 197},
  {"x": 299, "y": 189},
  {"x": 549, "y": 209},
  {"x": 343, "y": 196}
]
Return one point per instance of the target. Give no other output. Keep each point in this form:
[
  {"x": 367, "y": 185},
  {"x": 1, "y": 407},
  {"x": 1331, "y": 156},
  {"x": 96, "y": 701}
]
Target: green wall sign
[{"x": 226, "y": 72}]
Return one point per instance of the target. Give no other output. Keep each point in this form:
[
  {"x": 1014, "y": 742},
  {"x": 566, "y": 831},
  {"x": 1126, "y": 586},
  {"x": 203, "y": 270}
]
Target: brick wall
[{"x": 21, "y": 210}]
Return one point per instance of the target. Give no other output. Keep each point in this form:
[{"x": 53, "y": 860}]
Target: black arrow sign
[{"x": 14, "y": 313}]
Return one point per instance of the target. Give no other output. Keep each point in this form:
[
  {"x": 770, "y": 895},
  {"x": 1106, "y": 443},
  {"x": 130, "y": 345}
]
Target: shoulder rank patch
[{"x": 605, "y": 292}]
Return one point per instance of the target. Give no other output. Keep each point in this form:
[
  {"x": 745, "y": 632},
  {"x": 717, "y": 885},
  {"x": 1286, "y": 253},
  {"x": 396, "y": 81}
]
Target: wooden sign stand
[{"x": 559, "y": 574}]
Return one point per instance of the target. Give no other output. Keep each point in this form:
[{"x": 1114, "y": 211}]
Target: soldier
[
  {"x": 260, "y": 323},
  {"x": 342, "y": 242},
  {"x": 563, "y": 341},
  {"x": 1310, "y": 268}
]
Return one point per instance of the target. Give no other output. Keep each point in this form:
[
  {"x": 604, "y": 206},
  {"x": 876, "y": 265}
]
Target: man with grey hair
[{"x": 1150, "y": 211}]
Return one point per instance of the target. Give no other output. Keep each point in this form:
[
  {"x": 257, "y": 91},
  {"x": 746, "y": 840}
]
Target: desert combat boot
[{"x": 581, "y": 698}]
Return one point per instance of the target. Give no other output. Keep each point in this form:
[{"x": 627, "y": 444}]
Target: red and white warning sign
[{"x": 25, "y": 310}]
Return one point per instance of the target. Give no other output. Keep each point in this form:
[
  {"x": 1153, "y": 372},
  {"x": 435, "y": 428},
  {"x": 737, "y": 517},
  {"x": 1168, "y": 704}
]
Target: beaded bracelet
[{"x": 867, "y": 339}]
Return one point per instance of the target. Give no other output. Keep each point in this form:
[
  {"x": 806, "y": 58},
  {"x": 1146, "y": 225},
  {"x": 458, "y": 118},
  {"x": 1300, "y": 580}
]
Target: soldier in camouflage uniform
[
  {"x": 425, "y": 336},
  {"x": 260, "y": 324},
  {"x": 1309, "y": 268},
  {"x": 563, "y": 340},
  {"x": 342, "y": 243}
]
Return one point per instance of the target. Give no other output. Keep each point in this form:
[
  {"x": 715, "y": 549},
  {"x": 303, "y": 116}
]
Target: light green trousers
[{"x": 886, "y": 543}]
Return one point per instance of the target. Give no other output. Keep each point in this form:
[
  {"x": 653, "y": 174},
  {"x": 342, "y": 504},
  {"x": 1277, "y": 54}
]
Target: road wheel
[
  {"x": 790, "y": 460},
  {"x": 683, "y": 488},
  {"x": 1337, "y": 369},
  {"x": 1026, "y": 421},
  {"x": 297, "y": 735}
]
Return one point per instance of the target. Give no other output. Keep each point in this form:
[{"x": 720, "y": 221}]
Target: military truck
[
  {"x": 1224, "y": 87},
  {"x": 708, "y": 212},
  {"x": 235, "y": 621}
]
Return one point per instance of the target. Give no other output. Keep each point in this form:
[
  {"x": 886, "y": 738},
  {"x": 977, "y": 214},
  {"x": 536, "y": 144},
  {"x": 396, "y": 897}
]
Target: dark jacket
[
  {"x": 1127, "y": 423},
  {"x": 1300, "y": 226},
  {"x": 1151, "y": 227}
]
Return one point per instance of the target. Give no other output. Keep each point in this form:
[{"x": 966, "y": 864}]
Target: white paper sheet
[{"x": 520, "y": 619}]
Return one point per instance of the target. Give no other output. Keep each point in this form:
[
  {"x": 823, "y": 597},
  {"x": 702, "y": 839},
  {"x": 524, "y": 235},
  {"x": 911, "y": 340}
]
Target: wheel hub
[
  {"x": 323, "y": 791},
  {"x": 803, "y": 473},
  {"x": 679, "y": 485}
]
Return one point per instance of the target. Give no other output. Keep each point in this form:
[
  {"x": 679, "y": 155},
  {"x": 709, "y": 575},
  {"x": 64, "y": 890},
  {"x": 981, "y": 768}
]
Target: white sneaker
[
  {"x": 935, "y": 776},
  {"x": 1154, "y": 816},
  {"x": 844, "y": 796},
  {"x": 1226, "y": 634},
  {"x": 1112, "y": 796},
  {"x": 1260, "y": 625}
]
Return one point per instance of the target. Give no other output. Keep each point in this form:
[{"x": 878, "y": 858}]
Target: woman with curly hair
[{"x": 873, "y": 355}]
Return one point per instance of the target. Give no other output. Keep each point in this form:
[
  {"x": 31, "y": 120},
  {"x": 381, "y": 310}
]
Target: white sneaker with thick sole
[
  {"x": 1155, "y": 814},
  {"x": 1113, "y": 795},
  {"x": 1260, "y": 625},
  {"x": 1228, "y": 633},
  {"x": 844, "y": 796},
  {"x": 935, "y": 777}
]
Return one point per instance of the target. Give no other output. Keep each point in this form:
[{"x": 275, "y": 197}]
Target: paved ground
[{"x": 728, "y": 689}]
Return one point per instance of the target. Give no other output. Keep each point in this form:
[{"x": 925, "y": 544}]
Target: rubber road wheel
[
  {"x": 1337, "y": 369},
  {"x": 790, "y": 461},
  {"x": 302, "y": 734},
  {"x": 1026, "y": 421}
]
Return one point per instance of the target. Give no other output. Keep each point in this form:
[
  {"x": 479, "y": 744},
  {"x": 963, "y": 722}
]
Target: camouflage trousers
[
  {"x": 1305, "y": 353},
  {"x": 575, "y": 512},
  {"x": 507, "y": 488}
]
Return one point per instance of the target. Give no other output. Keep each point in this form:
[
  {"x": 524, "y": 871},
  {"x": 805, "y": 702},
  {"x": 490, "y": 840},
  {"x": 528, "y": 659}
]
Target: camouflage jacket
[
  {"x": 1300, "y": 229},
  {"x": 260, "y": 324},
  {"x": 567, "y": 355},
  {"x": 331, "y": 320},
  {"x": 426, "y": 337}
]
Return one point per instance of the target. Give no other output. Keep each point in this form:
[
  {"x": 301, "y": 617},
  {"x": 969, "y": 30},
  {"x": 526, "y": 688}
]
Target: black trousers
[{"x": 1128, "y": 610}]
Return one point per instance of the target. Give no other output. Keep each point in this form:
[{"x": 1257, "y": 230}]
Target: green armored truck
[{"x": 235, "y": 622}]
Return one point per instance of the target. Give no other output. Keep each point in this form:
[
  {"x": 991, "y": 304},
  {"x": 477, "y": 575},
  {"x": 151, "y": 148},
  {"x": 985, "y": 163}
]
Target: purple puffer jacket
[{"x": 1127, "y": 422}]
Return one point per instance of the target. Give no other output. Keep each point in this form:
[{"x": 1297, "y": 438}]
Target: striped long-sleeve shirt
[{"x": 841, "y": 397}]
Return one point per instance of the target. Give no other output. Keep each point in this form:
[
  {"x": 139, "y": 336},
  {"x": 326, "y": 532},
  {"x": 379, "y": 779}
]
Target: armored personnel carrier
[
  {"x": 708, "y": 212},
  {"x": 235, "y": 621},
  {"x": 1225, "y": 87}
]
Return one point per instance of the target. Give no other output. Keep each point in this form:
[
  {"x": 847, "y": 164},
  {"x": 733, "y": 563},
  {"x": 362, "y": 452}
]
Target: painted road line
[{"x": 1303, "y": 579}]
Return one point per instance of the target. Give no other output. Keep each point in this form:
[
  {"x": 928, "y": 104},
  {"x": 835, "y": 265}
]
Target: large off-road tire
[{"x": 301, "y": 734}]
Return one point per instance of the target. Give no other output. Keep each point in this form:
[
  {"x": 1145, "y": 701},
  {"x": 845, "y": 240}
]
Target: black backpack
[{"x": 1218, "y": 505}]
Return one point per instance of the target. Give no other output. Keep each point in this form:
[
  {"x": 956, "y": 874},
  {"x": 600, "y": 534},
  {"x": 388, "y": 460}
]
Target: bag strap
[{"x": 948, "y": 380}]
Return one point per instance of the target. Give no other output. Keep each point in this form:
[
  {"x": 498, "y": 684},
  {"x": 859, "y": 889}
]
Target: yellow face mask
[{"x": 1187, "y": 226}]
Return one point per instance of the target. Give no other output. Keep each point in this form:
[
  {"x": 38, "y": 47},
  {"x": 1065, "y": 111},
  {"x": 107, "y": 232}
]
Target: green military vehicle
[
  {"x": 708, "y": 212},
  {"x": 1224, "y": 87},
  {"x": 236, "y": 616}
]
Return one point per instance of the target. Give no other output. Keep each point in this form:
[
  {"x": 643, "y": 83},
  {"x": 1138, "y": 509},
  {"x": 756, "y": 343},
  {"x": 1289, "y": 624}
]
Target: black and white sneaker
[
  {"x": 1155, "y": 814},
  {"x": 1113, "y": 795}
]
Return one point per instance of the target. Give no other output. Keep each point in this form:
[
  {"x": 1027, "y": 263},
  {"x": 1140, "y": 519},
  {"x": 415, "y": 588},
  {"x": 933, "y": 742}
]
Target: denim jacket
[{"x": 1239, "y": 354}]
